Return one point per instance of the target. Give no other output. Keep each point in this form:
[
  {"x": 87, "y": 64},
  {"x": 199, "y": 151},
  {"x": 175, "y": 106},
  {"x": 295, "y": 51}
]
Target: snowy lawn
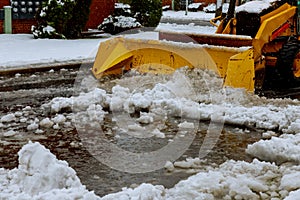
[{"x": 23, "y": 51}]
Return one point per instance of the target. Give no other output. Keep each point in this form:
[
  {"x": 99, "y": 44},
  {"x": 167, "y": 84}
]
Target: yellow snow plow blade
[
  {"x": 241, "y": 72},
  {"x": 120, "y": 54}
]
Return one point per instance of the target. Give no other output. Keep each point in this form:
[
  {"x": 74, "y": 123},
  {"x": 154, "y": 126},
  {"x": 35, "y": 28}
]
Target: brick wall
[
  {"x": 19, "y": 25},
  {"x": 22, "y": 25},
  {"x": 205, "y": 1},
  {"x": 4, "y": 3},
  {"x": 1, "y": 26},
  {"x": 99, "y": 10},
  {"x": 166, "y": 2}
]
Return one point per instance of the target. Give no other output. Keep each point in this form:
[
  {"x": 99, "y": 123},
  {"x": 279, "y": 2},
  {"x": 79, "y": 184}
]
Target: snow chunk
[
  {"x": 48, "y": 29},
  {"x": 290, "y": 181},
  {"x": 157, "y": 133},
  {"x": 169, "y": 166},
  {"x": 9, "y": 133},
  {"x": 32, "y": 126},
  {"x": 188, "y": 163},
  {"x": 59, "y": 119},
  {"x": 39, "y": 131},
  {"x": 78, "y": 103},
  {"x": 96, "y": 113},
  {"x": 293, "y": 195},
  {"x": 145, "y": 118},
  {"x": 186, "y": 125},
  {"x": 8, "y": 118},
  {"x": 47, "y": 123},
  {"x": 27, "y": 108},
  {"x": 268, "y": 134},
  {"x": 119, "y": 94}
]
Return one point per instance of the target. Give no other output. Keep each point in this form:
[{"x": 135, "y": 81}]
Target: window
[{"x": 25, "y": 9}]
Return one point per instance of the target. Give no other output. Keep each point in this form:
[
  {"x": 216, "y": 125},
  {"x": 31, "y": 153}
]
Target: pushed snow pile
[
  {"x": 232, "y": 180},
  {"x": 281, "y": 149},
  {"x": 187, "y": 94},
  {"x": 41, "y": 176}
]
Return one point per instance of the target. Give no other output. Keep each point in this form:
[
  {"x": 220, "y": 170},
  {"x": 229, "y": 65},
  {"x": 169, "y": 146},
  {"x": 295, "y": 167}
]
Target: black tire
[{"x": 282, "y": 76}]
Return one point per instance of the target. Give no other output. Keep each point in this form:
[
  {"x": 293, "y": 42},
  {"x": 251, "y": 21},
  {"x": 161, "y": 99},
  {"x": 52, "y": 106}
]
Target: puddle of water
[{"x": 103, "y": 180}]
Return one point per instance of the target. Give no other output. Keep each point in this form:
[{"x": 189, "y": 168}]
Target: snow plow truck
[{"x": 256, "y": 45}]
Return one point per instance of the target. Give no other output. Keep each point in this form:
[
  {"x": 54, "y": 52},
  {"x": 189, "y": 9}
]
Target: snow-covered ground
[
  {"x": 22, "y": 51},
  {"x": 190, "y": 15},
  {"x": 274, "y": 172}
]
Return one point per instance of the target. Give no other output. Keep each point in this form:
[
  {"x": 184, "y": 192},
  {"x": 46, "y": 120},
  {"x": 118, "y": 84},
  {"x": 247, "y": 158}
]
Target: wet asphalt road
[{"x": 33, "y": 89}]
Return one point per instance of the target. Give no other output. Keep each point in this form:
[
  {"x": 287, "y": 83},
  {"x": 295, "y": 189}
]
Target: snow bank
[
  {"x": 232, "y": 180},
  {"x": 284, "y": 148},
  {"x": 41, "y": 176}
]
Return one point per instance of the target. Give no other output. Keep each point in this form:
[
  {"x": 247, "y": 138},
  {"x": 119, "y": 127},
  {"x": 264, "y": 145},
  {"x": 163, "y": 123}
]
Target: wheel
[{"x": 286, "y": 73}]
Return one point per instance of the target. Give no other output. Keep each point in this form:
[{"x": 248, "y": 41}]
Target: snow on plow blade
[{"x": 120, "y": 54}]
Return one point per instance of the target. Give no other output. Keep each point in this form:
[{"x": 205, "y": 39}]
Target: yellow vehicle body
[{"x": 234, "y": 58}]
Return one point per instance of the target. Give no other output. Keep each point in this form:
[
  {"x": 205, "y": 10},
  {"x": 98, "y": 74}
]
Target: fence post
[{"x": 7, "y": 20}]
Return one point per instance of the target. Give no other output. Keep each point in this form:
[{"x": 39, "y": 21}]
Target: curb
[{"x": 32, "y": 68}]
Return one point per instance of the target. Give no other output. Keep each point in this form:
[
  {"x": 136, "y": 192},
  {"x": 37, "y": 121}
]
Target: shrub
[
  {"x": 121, "y": 20},
  {"x": 125, "y": 1},
  {"x": 63, "y": 18},
  {"x": 139, "y": 13},
  {"x": 147, "y": 12},
  {"x": 176, "y": 5},
  {"x": 118, "y": 24},
  {"x": 80, "y": 16}
]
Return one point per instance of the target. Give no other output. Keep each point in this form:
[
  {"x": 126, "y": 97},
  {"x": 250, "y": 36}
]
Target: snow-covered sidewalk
[{"x": 19, "y": 51}]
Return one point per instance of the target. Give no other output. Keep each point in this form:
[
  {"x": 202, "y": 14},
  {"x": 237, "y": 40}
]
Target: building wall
[
  {"x": 1, "y": 26},
  {"x": 166, "y": 2},
  {"x": 99, "y": 10},
  {"x": 22, "y": 25},
  {"x": 4, "y": 3}
]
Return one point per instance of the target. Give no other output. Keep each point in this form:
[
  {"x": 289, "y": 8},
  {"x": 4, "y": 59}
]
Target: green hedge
[{"x": 66, "y": 17}]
